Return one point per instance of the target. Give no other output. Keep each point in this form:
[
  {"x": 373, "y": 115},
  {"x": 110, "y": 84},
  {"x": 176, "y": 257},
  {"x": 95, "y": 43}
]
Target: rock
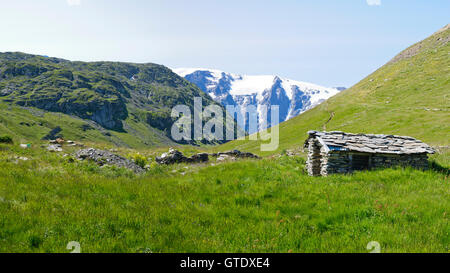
[
  {"x": 21, "y": 158},
  {"x": 6, "y": 92},
  {"x": 172, "y": 157},
  {"x": 54, "y": 148},
  {"x": 175, "y": 156},
  {"x": 61, "y": 141},
  {"x": 199, "y": 158},
  {"x": 53, "y": 134},
  {"x": 103, "y": 158},
  {"x": 236, "y": 154},
  {"x": 224, "y": 157},
  {"x": 293, "y": 153}
]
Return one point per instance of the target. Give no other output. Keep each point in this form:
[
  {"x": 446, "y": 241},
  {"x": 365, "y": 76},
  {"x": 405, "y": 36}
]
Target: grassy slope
[
  {"x": 133, "y": 100},
  {"x": 258, "y": 206},
  {"x": 408, "y": 97},
  {"x": 27, "y": 126}
]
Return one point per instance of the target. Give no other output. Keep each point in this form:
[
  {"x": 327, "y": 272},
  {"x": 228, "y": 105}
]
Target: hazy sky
[{"x": 332, "y": 43}]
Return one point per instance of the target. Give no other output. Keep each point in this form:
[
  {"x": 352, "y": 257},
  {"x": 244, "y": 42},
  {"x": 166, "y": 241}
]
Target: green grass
[
  {"x": 133, "y": 101},
  {"x": 30, "y": 125},
  {"x": 269, "y": 205},
  {"x": 258, "y": 206},
  {"x": 409, "y": 97}
]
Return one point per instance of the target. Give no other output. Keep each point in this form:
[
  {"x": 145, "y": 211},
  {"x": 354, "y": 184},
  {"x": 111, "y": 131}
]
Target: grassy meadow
[
  {"x": 267, "y": 205},
  {"x": 270, "y": 205}
]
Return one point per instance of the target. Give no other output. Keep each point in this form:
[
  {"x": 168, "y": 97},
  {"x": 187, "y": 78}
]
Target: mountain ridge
[
  {"x": 121, "y": 98},
  {"x": 293, "y": 97}
]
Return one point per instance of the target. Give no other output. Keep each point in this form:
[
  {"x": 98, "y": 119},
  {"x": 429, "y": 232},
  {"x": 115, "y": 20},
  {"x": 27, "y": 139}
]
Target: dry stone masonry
[{"x": 339, "y": 152}]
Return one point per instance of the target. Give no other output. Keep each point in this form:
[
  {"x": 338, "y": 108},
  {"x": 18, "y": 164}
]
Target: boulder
[
  {"x": 54, "y": 148},
  {"x": 224, "y": 157},
  {"x": 175, "y": 156},
  {"x": 198, "y": 158},
  {"x": 107, "y": 158},
  {"x": 235, "y": 154},
  {"x": 172, "y": 157}
]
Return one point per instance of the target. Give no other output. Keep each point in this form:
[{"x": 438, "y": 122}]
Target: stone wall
[
  {"x": 313, "y": 164},
  {"x": 418, "y": 161},
  {"x": 335, "y": 162},
  {"x": 323, "y": 163}
]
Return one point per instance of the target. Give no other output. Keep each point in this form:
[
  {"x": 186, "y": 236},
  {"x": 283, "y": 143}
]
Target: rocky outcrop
[
  {"x": 54, "y": 148},
  {"x": 108, "y": 112},
  {"x": 107, "y": 93},
  {"x": 172, "y": 157},
  {"x": 53, "y": 134},
  {"x": 56, "y": 145},
  {"x": 175, "y": 157},
  {"x": 235, "y": 154},
  {"x": 107, "y": 158}
]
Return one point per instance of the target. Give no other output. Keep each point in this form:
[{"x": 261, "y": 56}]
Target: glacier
[{"x": 258, "y": 91}]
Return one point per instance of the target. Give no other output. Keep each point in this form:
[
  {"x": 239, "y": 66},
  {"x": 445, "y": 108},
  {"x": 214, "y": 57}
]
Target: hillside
[
  {"x": 252, "y": 205},
  {"x": 123, "y": 104},
  {"x": 245, "y": 91},
  {"x": 268, "y": 205},
  {"x": 408, "y": 96}
]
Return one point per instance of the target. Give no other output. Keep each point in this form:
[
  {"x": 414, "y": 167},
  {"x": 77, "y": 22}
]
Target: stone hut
[{"x": 339, "y": 152}]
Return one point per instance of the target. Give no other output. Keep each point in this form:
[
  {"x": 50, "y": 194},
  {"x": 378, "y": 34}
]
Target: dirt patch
[{"x": 329, "y": 120}]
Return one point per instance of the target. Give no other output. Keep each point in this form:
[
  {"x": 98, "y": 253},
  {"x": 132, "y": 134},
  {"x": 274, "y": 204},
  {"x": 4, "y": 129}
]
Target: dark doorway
[{"x": 360, "y": 162}]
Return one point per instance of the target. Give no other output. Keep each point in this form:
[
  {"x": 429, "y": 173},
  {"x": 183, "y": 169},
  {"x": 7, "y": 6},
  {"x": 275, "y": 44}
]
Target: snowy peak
[{"x": 292, "y": 97}]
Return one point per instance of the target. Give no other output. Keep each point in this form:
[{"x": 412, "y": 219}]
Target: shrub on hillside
[
  {"x": 6, "y": 139},
  {"x": 139, "y": 159}
]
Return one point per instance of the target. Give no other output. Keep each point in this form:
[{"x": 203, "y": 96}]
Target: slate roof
[{"x": 369, "y": 143}]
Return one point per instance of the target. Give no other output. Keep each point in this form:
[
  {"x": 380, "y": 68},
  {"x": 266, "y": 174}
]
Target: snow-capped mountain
[{"x": 292, "y": 97}]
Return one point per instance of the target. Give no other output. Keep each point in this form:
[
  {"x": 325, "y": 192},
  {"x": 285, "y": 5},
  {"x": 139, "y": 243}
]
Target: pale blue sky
[{"x": 332, "y": 43}]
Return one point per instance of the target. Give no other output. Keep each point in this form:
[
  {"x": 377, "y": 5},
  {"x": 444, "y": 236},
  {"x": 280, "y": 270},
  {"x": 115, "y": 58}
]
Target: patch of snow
[{"x": 251, "y": 85}]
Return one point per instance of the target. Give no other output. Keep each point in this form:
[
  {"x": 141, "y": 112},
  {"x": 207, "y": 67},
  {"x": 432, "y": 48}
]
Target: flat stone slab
[{"x": 370, "y": 143}]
